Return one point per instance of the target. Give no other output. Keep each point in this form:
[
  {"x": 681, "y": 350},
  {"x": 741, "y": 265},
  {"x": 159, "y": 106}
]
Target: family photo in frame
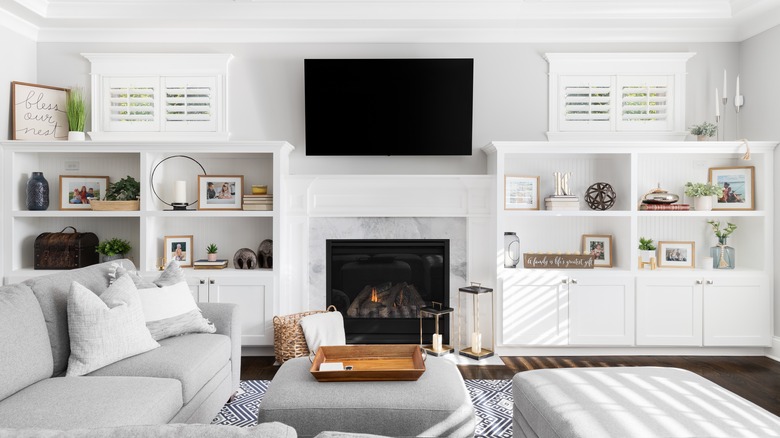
[
  {"x": 600, "y": 247},
  {"x": 220, "y": 192},
  {"x": 76, "y": 192},
  {"x": 178, "y": 248},
  {"x": 738, "y": 184}
]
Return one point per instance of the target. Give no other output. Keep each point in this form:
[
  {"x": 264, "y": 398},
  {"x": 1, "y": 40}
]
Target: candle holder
[
  {"x": 175, "y": 206},
  {"x": 739, "y": 102}
]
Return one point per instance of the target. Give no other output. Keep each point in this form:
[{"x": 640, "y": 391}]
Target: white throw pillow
[
  {"x": 172, "y": 311},
  {"x": 323, "y": 329},
  {"x": 107, "y": 328}
]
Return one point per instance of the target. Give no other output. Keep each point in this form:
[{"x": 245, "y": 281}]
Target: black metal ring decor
[
  {"x": 600, "y": 196},
  {"x": 174, "y": 205}
]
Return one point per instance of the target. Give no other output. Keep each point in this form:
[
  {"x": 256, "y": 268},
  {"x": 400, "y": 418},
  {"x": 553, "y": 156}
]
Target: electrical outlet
[
  {"x": 71, "y": 166},
  {"x": 699, "y": 164}
]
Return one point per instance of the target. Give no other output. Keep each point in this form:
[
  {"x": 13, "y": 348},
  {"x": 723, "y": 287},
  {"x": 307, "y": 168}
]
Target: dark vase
[{"x": 37, "y": 192}]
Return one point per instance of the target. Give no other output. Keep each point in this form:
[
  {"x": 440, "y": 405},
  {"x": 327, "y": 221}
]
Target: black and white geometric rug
[{"x": 492, "y": 401}]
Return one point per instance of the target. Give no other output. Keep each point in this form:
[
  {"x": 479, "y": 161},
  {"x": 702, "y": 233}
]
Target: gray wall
[
  {"x": 18, "y": 56},
  {"x": 510, "y": 91},
  {"x": 759, "y": 117}
]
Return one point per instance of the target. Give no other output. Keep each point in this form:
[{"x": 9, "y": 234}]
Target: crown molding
[{"x": 16, "y": 24}]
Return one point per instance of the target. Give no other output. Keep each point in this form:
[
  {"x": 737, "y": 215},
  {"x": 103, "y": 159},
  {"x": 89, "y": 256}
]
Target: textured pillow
[
  {"x": 171, "y": 311},
  {"x": 107, "y": 328},
  {"x": 323, "y": 329},
  {"x": 172, "y": 274}
]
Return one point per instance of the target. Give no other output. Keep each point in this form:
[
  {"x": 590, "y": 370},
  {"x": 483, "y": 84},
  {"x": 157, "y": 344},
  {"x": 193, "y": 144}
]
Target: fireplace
[{"x": 379, "y": 287}]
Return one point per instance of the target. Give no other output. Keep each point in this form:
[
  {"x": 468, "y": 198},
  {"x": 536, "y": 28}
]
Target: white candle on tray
[{"x": 180, "y": 192}]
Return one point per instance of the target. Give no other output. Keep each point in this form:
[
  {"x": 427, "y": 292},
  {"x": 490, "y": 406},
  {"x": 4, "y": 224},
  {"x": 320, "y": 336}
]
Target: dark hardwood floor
[{"x": 754, "y": 378}]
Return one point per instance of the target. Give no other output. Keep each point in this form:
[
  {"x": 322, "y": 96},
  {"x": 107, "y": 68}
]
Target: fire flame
[{"x": 374, "y": 297}]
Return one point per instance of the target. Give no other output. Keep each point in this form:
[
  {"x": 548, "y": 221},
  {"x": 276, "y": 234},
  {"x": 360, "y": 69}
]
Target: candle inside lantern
[{"x": 180, "y": 192}]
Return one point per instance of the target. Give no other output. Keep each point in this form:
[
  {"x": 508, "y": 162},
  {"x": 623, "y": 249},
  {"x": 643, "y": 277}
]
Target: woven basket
[{"x": 289, "y": 341}]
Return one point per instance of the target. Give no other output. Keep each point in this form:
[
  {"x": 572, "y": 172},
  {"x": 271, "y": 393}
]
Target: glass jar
[
  {"x": 511, "y": 249},
  {"x": 723, "y": 256}
]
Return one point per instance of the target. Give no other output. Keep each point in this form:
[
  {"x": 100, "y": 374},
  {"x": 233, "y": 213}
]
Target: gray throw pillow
[
  {"x": 172, "y": 311},
  {"x": 107, "y": 328},
  {"x": 172, "y": 274}
]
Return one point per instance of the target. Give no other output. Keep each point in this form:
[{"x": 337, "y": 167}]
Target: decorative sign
[
  {"x": 557, "y": 261},
  {"x": 39, "y": 112}
]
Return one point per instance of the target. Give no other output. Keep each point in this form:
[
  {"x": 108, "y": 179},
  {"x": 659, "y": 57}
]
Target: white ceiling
[{"x": 390, "y": 20}]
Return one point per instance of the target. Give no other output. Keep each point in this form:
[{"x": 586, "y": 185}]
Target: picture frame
[
  {"x": 76, "y": 191},
  {"x": 38, "y": 112},
  {"x": 738, "y": 185},
  {"x": 600, "y": 247},
  {"x": 676, "y": 254},
  {"x": 178, "y": 248},
  {"x": 220, "y": 192},
  {"x": 521, "y": 192}
]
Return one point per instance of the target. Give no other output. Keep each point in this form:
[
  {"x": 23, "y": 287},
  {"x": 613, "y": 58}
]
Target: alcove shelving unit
[
  {"x": 627, "y": 306},
  {"x": 260, "y": 163}
]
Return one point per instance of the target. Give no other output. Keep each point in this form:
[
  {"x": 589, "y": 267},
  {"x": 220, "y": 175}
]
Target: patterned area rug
[{"x": 492, "y": 400}]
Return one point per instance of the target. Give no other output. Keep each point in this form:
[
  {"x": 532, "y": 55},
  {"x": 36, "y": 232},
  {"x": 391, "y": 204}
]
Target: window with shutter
[
  {"x": 159, "y": 96},
  {"x": 617, "y": 95}
]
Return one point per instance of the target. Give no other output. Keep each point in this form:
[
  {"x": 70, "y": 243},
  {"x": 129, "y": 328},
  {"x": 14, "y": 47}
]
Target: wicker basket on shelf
[{"x": 289, "y": 341}]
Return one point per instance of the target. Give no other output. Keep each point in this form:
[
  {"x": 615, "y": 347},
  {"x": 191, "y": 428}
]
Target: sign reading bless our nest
[{"x": 557, "y": 261}]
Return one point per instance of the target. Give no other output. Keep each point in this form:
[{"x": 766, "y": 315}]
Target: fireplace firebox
[{"x": 380, "y": 286}]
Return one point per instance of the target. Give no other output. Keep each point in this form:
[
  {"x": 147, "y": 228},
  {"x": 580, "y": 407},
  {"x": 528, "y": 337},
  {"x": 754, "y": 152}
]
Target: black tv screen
[{"x": 388, "y": 106}]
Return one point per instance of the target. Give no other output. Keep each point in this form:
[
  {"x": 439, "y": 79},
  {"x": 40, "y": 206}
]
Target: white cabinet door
[
  {"x": 669, "y": 311},
  {"x": 535, "y": 311},
  {"x": 254, "y": 296},
  {"x": 737, "y": 311},
  {"x": 601, "y": 310}
]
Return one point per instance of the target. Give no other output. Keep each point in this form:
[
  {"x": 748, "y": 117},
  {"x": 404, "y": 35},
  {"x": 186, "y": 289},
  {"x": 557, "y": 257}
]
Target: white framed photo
[
  {"x": 599, "y": 246},
  {"x": 220, "y": 192},
  {"x": 521, "y": 192},
  {"x": 76, "y": 192},
  {"x": 738, "y": 185},
  {"x": 178, "y": 248},
  {"x": 676, "y": 254}
]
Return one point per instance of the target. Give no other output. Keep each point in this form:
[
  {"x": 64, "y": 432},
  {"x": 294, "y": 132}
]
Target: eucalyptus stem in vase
[{"x": 723, "y": 256}]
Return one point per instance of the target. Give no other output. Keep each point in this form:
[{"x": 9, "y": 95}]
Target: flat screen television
[{"x": 388, "y": 106}]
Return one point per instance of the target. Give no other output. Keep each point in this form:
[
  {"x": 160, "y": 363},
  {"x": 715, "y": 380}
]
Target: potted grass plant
[{"x": 76, "y": 109}]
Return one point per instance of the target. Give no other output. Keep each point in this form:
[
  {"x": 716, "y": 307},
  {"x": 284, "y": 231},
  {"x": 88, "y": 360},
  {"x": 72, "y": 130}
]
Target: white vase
[
  {"x": 76, "y": 136},
  {"x": 702, "y": 203},
  {"x": 646, "y": 254},
  {"x": 211, "y": 257}
]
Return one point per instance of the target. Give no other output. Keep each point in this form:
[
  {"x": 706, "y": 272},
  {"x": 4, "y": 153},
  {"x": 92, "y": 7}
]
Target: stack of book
[
  {"x": 562, "y": 203},
  {"x": 259, "y": 202},
  {"x": 664, "y": 207},
  {"x": 205, "y": 264}
]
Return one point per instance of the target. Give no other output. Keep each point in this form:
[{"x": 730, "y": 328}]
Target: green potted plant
[
  {"x": 723, "y": 256},
  {"x": 704, "y": 131},
  {"x": 113, "y": 249},
  {"x": 120, "y": 195},
  {"x": 646, "y": 249},
  {"x": 211, "y": 252},
  {"x": 76, "y": 109},
  {"x": 703, "y": 194}
]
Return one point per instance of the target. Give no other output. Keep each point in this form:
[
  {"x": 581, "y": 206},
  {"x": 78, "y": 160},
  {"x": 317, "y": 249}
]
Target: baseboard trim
[
  {"x": 773, "y": 352},
  {"x": 257, "y": 351},
  {"x": 636, "y": 351}
]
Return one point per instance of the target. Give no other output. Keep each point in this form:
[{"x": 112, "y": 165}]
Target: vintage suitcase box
[{"x": 65, "y": 250}]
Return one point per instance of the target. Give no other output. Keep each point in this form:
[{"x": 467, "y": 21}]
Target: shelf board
[
  {"x": 210, "y": 213},
  {"x": 568, "y": 213},
  {"x": 713, "y": 213},
  {"x": 75, "y": 213}
]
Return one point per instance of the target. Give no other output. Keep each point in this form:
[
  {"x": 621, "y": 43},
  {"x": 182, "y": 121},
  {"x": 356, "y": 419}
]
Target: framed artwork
[
  {"x": 220, "y": 192},
  {"x": 178, "y": 248},
  {"x": 38, "y": 112},
  {"x": 521, "y": 192},
  {"x": 600, "y": 247},
  {"x": 76, "y": 192},
  {"x": 738, "y": 185},
  {"x": 676, "y": 254}
]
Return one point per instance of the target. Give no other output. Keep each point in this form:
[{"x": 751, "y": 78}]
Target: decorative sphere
[{"x": 600, "y": 196}]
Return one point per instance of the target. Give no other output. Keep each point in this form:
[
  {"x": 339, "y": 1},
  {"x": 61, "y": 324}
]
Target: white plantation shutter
[
  {"x": 131, "y": 104},
  {"x": 646, "y": 103},
  {"x": 189, "y": 104},
  {"x": 586, "y": 103}
]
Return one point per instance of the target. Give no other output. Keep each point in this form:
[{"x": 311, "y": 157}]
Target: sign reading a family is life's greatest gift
[
  {"x": 39, "y": 112},
  {"x": 557, "y": 261}
]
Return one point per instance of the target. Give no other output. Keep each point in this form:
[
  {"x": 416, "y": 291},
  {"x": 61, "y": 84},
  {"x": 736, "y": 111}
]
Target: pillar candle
[
  {"x": 717, "y": 104},
  {"x": 476, "y": 342},
  {"x": 180, "y": 192}
]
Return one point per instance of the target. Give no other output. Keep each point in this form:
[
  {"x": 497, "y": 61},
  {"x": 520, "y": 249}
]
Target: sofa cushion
[
  {"x": 25, "y": 352},
  {"x": 107, "y": 328},
  {"x": 52, "y": 294},
  {"x": 88, "y": 402},
  {"x": 191, "y": 359},
  {"x": 265, "y": 430}
]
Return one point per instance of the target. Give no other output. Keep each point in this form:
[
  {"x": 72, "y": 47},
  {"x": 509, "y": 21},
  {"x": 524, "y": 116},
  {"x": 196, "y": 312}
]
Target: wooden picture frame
[
  {"x": 77, "y": 191},
  {"x": 220, "y": 192},
  {"x": 521, "y": 192},
  {"x": 600, "y": 247},
  {"x": 739, "y": 186},
  {"x": 677, "y": 255},
  {"x": 178, "y": 248},
  {"x": 38, "y": 112}
]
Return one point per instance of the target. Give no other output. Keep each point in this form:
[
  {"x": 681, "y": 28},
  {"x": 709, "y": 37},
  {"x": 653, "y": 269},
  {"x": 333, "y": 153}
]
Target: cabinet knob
[
  {"x": 573, "y": 281},
  {"x": 710, "y": 282},
  {"x": 698, "y": 281},
  {"x": 564, "y": 281},
  {"x": 203, "y": 282},
  {"x": 211, "y": 281}
]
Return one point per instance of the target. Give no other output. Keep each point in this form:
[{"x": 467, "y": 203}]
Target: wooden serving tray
[{"x": 370, "y": 363}]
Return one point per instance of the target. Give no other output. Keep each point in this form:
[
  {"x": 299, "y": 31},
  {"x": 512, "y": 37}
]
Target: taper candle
[
  {"x": 736, "y": 98},
  {"x": 717, "y": 104},
  {"x": 725, "y": 84}
]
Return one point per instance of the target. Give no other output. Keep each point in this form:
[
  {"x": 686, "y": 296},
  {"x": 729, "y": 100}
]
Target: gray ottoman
[
  {"x": 435, "y": 405},
  {"x": 632, "y": 402}
]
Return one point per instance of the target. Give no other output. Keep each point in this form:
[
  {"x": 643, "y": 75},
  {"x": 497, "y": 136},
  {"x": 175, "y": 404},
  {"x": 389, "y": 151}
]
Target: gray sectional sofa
[{"x": 187, "y": 380}]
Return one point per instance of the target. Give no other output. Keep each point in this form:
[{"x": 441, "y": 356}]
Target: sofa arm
[{"x": 225, "y": 318}]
